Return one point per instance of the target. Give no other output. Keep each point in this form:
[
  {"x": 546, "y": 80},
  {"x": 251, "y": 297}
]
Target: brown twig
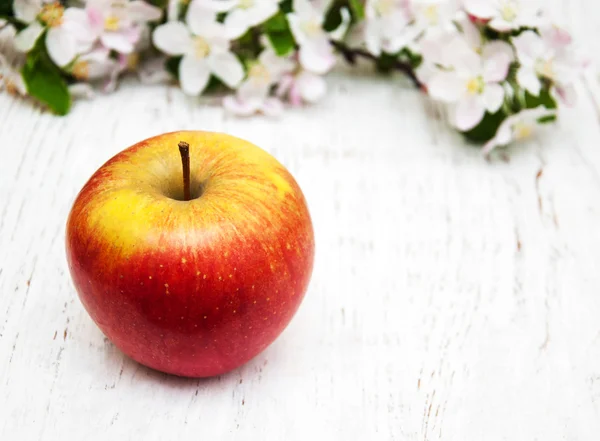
[{"x": 351, "y": 55}]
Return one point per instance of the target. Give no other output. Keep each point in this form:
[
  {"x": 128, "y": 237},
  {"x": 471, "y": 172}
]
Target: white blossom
[
  {"x": 306, "y": 24},
  {"x": 505, "y": 15},
  {"x": 517, "y": 127},
  {"x": 10, "y": 78},
  {"x": 244, "y": 14},
  {"x": 119, "y": 23},
  {"x": 545, "y": 57},
  {"x": 68, "y": 33},
  {"x": 431, "y": 15},
  {"x": 204, "y": 46},
  {"x": 385, "y": 27},
  {"x": 473, "y": 83},
  {"x": 253, "y": 94},
  {"x": 302, "y": 87}
]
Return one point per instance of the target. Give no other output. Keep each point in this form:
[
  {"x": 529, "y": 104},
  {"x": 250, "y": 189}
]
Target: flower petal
[
  {"x": 77, "y": 22},
  {"x": 193, "y": 75},
  {"x": 142, "y": 12},
  {"x": 468, "y": 113},
  {"x": 304, "y": 8},
  {"x": 446, "y": 87},
  {"x": 261, "y": 11},
  {"x": 236, "y": 23},
  {"x": 95, "y": 19},
  {"x": 272, "y": 107},
  {"x": 239, "y": 107},
  {"x": 529, "y": 47},
  {"x": 480, "y": 8},
  {"x": 527, "y": 79},
  {"x": 295, "y": 24},
  {"x": 120, "y": 41},
  {"x": 26, "y": 10},
  {"x": 25, "y": 40},
  {"x": 172, "y": 38},
  {"x": 317, "y": 57},
  {"x": 202, "y": 18},
  {"x": 567, "y": 94},
  {"x": 502, "y": 25},
  {"x": 493, "y": 96},
  {"x": 227, "y": 67},
  {"x": 372, "y": 38},
  {"x": 61, "y": 46},
  {"x": 338, "y": 33},
  {"x": 503, "y": 137},
  {"x": 472, "y": 34},
  {"x": 81, "y": 91},
  {"x": 312, "y": 87},
  {"x": 250, "y": 89},
  {"x": 497, "y": 57}
]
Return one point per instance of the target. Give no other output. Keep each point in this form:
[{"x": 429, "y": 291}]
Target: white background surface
[{"x": 451, "y": 299}]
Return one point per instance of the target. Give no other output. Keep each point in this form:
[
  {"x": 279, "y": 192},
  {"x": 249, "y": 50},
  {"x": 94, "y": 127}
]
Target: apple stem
[{"x": 184, "y": 150}]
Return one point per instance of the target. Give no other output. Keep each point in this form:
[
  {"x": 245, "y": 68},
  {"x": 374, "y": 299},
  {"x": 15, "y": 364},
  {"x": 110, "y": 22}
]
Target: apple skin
[{"x": 192, "y": 288}]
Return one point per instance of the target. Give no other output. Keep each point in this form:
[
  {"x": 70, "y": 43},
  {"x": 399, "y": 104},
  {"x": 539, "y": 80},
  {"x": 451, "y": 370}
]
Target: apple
[{"x": 191, "y": 265}]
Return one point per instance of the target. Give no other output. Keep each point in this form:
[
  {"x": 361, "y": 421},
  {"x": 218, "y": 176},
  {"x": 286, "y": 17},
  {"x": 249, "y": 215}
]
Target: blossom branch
[{"x": 350, "y": 55}]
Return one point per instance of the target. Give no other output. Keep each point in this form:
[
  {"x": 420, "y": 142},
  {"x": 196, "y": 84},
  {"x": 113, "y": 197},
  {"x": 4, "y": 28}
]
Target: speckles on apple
[
  {"x": 150, "y": 277},
  {"x": 183, "y": 260},
  {"x": 198, "y": 273},
  {"x": 167, "y": 288}
]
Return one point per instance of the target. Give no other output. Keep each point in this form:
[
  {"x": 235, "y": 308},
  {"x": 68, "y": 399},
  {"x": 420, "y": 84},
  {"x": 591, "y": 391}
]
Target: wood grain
[{"x": 452, "y": 298}]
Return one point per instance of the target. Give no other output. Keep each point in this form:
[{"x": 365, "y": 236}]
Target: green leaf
[
  {"x": 544, "y": 99},
  {"x": 279, "y": 34},
  {"x": 385, "y": 63},
  {"x": 172, "y": 66},
  {"x": 159, "y": 3},
  {"x": 44, "y": 80},
  {"x": 333, "y": 18},
  {"x": 546, "y": 119},
  {"x": 6, "y": 9},
  {"x": 286, "y": 6},
  {"x": 357, "y": 9},
  {"x": 487, "y": 128},
  {"x": 214, "y": 85}
]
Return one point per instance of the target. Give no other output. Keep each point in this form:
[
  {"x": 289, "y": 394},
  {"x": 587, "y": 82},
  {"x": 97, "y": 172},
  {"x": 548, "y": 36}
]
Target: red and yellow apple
[{"x": 192, "y": 288}]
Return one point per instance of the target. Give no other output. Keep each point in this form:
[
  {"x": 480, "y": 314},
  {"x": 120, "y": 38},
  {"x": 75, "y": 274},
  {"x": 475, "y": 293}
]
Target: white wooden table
[{"x": 451, "y": 299}]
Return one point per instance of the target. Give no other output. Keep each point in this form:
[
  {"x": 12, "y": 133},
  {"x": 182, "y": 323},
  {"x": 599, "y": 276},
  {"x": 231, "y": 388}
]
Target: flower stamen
[
  {"x": 311, "y": 28},
  {"x": 509, "y": 10},
  {"x": 201, "y": 47},
  {"x": 522, "y": 130},
  {"x": 475, "y": 86},
  {"x": 111, "y": 23},
  {"x": 52, "y": 14},
  {"x": 545, "y": 68},
  {"x": 259, "y": 73},
  {"x": 384, "y": 7},
  {"x": 81, "y": 70},
  {"x": 246, "y": 4},
  {"x": 431, "y": 13}
]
